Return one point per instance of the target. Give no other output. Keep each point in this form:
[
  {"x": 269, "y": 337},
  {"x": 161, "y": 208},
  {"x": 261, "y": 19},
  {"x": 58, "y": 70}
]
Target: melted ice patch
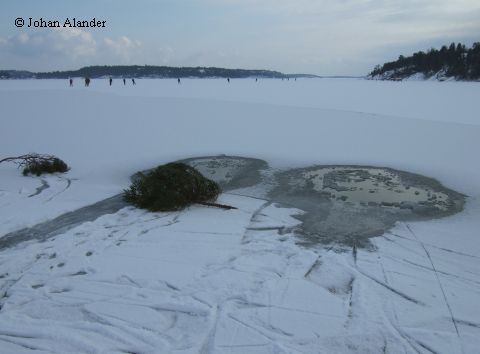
[
  {"x": 218, "y": 169},
  {"x": 371, "y": 185}
]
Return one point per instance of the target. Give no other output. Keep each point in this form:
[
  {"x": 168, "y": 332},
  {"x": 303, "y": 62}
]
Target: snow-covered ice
[{"x": 206, "y": 280}]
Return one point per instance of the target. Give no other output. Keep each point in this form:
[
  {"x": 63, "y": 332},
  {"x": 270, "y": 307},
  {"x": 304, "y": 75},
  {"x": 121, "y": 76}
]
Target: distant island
[
  {"x": 147, "y": 71},
  {"x": 455, "y": 62}
]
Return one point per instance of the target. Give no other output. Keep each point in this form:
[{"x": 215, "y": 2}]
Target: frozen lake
[{"x": 212, "y": 281}]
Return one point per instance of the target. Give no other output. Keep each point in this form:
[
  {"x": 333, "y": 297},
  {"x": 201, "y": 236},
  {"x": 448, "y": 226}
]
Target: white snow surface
[
  {"x": 206, "y": 280},
  {"x": 393, "y": 75}
]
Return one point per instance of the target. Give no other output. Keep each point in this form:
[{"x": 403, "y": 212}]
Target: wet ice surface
[
  {"x": 230, "y": 172},
  {"x": 345, "y": 205},
  {"x": 62, "y": 223},
  {"x": 373, "y": 186}
]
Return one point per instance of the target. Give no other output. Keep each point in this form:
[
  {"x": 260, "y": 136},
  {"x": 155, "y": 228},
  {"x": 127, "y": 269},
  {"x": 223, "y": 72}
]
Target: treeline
[
  {"x": 15, "y": 74},
  {"x": 136, "y": 71},
  {"x": 455, "y": 61}
]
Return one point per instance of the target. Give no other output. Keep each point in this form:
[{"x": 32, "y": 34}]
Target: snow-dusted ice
[{"x": 207, "y": 280}]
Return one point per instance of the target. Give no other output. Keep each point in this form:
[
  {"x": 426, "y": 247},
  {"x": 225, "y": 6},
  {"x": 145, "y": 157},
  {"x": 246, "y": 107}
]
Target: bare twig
[
  {"x": 24, "y": 160},
  {"x": 222, "y": 206}
]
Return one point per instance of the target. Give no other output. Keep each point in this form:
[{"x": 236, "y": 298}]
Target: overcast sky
[{"x": 325, "y": 37}]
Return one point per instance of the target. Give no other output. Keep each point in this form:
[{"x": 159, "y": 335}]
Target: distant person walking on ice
[
  {"x": 228, "y": 79},
  {"x": 110, "y": 80},
  {"x": 71, "y": 82},
  {"x": 178, "y": 80},
  {"x": 133, "y": 81},
  {"x": 87, "y": 82},
  {"x": 124, "y": 81}
]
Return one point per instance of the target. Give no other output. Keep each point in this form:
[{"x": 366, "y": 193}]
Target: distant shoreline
[{"x": 147, "y": 71}]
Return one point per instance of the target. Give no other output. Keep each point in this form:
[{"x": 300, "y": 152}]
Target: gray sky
[{"x": 325, "y": 37}]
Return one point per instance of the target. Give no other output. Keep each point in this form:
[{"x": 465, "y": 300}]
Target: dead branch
[
  {"x": 37, "y": 164},
  {"x": 24, "y": 160},
  {"x": 222, "y": 206}
]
